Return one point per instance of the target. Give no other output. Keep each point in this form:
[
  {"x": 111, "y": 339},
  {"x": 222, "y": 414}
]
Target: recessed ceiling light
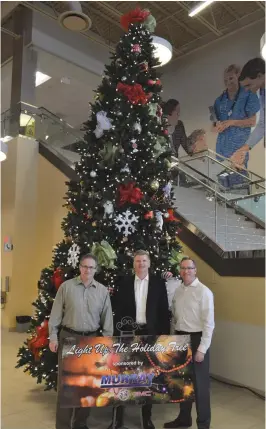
[{"x": 41, "y": 78}]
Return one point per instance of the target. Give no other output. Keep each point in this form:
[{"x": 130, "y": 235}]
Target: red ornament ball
[{"x": 136, "y": 48}]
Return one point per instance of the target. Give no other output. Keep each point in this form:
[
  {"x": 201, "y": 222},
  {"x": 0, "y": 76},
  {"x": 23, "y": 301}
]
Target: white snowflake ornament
[
  {"x": 73, "y": 255},
  {"x": 124, "y": 221}
]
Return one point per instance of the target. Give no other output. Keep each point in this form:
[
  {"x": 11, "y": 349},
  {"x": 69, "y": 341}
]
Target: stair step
[
  {"x": 228, "y": 229},
  {"x": 234, "y": 232},
  {"x": 223, "y": 221}
]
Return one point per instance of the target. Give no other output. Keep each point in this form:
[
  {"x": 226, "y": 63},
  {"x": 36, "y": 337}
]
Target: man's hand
[
  {"x": 199, "y": 146},
  {"x": 238, "y": 157},
  {"x": 166, "y": 276},
  {"x": 53, "y": 346},
  {"x": 199, "y": 356}
]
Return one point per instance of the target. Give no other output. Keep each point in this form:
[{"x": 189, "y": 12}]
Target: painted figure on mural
[{"x": 235, "y": 110}]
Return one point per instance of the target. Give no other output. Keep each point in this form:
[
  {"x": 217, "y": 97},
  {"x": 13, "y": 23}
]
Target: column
[
  {"x": 19, "y": 181},
  {"x": 24, "y": 66}
]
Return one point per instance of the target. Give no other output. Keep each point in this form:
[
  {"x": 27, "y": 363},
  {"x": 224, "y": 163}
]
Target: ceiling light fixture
[
  {"x": 199, "y": 7},
  {"x": 3, "y": 150},
  {"x": 163, "y": 50},
  {"x": 6, "y": 139},
  {"x": 41, "y": 78},
  {"x": 25, "y": 119},
  {"x": 263, "y": 47}
]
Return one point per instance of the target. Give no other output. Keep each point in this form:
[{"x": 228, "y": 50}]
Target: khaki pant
[{"x": 69, "y": 418}]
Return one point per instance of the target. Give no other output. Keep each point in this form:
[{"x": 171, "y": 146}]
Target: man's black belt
[
  {"x": 187, "y": 333},
  {"x": 143, "y": 326},
  {"x": 84, "y": 333}
]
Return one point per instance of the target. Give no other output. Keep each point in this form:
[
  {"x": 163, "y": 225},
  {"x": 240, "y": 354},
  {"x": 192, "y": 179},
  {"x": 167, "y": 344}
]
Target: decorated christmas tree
[{"x": 123, "y": 199}]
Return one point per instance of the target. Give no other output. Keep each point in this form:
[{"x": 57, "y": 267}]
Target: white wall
[
  {"x": 197, "y": 80},
  {"x": 238, "y": 353}
]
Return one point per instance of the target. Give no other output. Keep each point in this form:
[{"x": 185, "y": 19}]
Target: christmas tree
[{"x": 123, "y": 199}]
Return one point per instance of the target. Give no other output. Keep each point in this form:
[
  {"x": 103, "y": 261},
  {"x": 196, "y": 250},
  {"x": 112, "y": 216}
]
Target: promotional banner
[{"x": 107, "y": 371}]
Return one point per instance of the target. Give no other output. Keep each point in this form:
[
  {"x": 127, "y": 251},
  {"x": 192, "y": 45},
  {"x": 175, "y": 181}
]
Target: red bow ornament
[
  {"x": 134, "y": 17},
  {"x": 40, "y": 340},
  {"x": 134, "y": 93},
  {"x": 129, "y": 194}
]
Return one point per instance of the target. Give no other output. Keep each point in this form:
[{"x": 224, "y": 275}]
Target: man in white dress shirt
[
  {"x": 143, "y": 299},
  {"x": 193, "y": 313}
]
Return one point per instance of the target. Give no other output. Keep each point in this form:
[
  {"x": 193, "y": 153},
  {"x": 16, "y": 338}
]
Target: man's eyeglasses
[
  {"x": 87, "y": 268},
  {"x": 187, "y": 268}
]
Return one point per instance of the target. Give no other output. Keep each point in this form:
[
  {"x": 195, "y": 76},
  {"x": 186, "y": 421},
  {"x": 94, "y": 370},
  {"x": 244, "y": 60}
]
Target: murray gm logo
[
  {"x": 123, "y": 395},
  {"x": 127, "y": 380}
]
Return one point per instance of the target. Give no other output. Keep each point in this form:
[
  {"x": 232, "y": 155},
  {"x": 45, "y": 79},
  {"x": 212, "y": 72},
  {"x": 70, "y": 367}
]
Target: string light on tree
[{"x": 121, "y": 115}]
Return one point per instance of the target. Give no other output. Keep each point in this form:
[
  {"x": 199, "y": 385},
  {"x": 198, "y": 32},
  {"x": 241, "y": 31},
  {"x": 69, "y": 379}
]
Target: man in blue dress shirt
[
  {"x": 235, "y": 111},
  {"x": 252, "y": 78}
]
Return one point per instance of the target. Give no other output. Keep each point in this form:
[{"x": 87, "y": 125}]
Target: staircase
[
  {"x": 229, "y": 212},
  {"x": 220, "y": 223}
]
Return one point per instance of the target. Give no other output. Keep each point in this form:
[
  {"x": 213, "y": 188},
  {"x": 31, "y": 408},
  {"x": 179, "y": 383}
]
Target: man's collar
[
  {"x": 80, "y": 282},
  {"x": 194, "y": 283},
  {"x": 145, "y": 278}
]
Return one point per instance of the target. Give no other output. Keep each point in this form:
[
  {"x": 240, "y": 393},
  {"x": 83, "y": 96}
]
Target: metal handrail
[
  {"x": 43, "y": 113},
  {"x": 205, "y": 154},
  {"x": 213, "y": 191}
]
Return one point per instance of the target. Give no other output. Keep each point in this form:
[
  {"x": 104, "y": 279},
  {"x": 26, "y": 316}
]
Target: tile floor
[{"x": 24, "y": 405}]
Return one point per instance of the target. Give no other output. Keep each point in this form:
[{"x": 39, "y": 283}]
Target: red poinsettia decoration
[
  {"x": 58, "y": 278},
  {"x": 130, "y": 194},
  {"x": 171, "y": 216},
  {"x": 134, "y": 17},
  {"x": 134, "y": 93},
  {"x": 40, "y": 340}
]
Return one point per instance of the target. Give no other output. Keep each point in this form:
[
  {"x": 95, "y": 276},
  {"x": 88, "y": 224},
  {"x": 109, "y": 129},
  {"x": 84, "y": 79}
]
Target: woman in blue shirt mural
[{"x": 235, "y": 111}]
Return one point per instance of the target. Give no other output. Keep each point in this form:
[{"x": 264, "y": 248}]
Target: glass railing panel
[
  {"x": 254, "y": 207},
  {"x": 53, "y": 132},
  {"x": 221, "y": 170},
  {"x": 208, "y": 208}
]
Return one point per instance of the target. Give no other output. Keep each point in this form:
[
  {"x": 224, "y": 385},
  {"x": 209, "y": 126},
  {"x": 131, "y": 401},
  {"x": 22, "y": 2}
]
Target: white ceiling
[{"x": 71, "y": 102}]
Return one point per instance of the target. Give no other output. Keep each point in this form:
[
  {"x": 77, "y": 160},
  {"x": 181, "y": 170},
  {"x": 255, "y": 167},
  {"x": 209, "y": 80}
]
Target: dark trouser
[
  {"x": 68, "y": 418},
  {"x": 146, "y": 409},
  {"x": 146, "y": 413},
  {"x": 201, "y": 381}
]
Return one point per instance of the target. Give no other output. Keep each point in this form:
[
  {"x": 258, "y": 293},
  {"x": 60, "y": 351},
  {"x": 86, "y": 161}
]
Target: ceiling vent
[{"x": 74, "y": 19}]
